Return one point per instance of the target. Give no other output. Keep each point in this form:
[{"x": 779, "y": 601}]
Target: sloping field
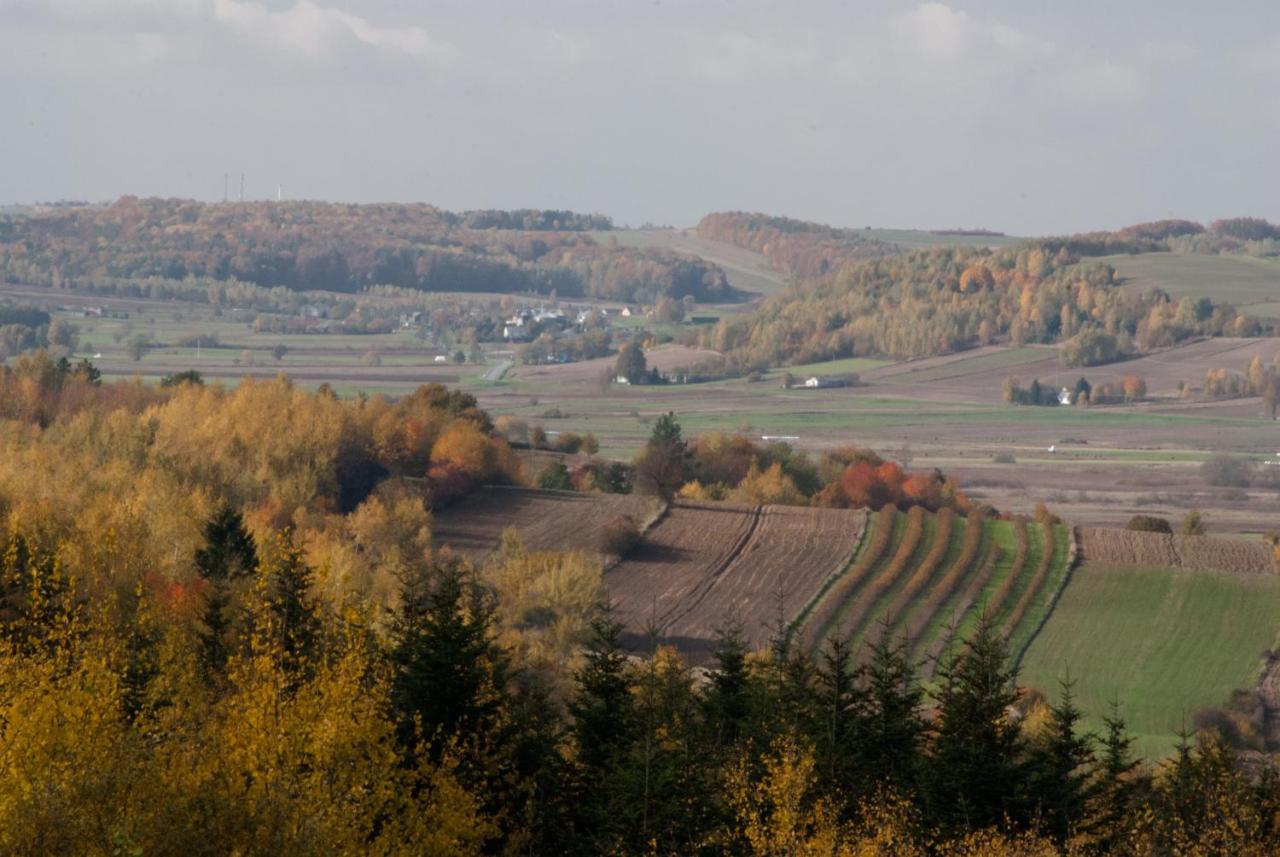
[
  {"x": 978, "y": 375},
  {"x": 705, "y": 565},
  {"x": 929, "y": 577},
  {"x": 1196, "y": 553},
  {"x": 1163, "y": 642},
  {"x": 546, "y": 520},
  {"x": 588, "y": 372},
  {"x": 745, "y": 269},
  {"x": 1242, "y": 280}
]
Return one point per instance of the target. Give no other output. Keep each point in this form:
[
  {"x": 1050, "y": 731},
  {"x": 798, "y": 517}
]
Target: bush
[
  {"x": 1148, "y": 524},
  {"x": 1227, "y": 471},
  {"x": 555, "y": 477},
  {"x": 619, "y": 535}
]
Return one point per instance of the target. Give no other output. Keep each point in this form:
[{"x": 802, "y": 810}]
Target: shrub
[
  {"x": 1148, "y": 524},
  {"x": 555, "y": 477},
  {"x": 1192, "y": 524},
  {"x": 619, "y": 535},
  {"x": 1227, "y": 471}
]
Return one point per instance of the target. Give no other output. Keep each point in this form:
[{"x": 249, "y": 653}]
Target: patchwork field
[{"x": 1162, "y": 642}]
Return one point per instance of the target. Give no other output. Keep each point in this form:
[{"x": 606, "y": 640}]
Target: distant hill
[{"x": 345, "y": 248}]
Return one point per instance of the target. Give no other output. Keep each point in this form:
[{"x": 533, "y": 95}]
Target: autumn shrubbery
[{"x": 619, "y": 535}]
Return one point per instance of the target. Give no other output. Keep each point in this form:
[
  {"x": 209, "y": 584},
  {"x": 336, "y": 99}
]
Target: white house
[{"x": 1064, "y": 396}]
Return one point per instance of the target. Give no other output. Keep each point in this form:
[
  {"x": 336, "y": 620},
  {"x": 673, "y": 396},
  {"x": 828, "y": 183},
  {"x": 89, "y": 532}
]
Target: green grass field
[
  {"x": 1242, "y": 280},
  {"x": 1163, "y": 642}
]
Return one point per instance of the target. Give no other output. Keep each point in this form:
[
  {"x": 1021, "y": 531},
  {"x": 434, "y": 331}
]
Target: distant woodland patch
[{"x": 346, "y": 248}]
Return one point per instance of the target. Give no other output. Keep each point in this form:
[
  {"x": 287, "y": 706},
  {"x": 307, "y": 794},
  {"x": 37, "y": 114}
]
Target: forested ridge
[
  {"x": 935, "y": 301},
  {"x": 224, "y": 628},
  {"x": 344, "y": 248}
]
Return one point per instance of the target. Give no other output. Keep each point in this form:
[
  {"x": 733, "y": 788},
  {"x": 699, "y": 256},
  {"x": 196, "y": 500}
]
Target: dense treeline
[
  {"x": 224, "y": 629},
  {"x": 936, "y": 301},
  {"x": 796, "y": 248},
  {"x": 345, "y": 248}
]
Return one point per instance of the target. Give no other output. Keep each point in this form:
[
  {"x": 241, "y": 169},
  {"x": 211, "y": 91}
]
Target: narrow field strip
[
  {"x": 876, "y": 543},
  {"x": 920, "y": 616},
  {"x": 1048, "y": 542},
  {"x": 930, "y": 541}
]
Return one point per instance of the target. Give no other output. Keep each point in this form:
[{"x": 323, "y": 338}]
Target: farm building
[
  {"x": 1064, "y": 396},
  {"x": 823, "y": 382}
]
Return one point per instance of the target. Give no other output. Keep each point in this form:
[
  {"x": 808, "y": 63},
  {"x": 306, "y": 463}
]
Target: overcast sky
[{"x": 1029, "y": 117}]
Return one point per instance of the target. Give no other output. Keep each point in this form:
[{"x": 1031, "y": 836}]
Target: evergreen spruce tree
[
  {"x": 449, "y": 677},
  {"x": 605, "y": 728},
  {"x": 976, "y": 775},
  {"x": 1117, "y": 783},
  {"x": 728, "y": 702},
  {"x": 1061, "y": 767},
  {"x": 294, "y": 622},
  {"x": 840, "y": 744},
  {"x": 229, "y": 555},
  {"x": 892, "y": 749}
]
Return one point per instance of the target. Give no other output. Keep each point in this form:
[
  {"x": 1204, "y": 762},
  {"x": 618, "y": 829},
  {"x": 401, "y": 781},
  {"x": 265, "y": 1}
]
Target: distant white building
[
  {"x": 1064, "y": 396},
  {"x": 826, "y": 382}
]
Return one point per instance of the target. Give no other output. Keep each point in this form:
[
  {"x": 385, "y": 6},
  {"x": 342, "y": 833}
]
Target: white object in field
[
  {"x": 1053, "y": 447},
  {"x": 1064, "y": 396},
  {"x": 769, "y": 437},
  {"x": 98, "y": 356},
  {"x": 440, "y": 358}
]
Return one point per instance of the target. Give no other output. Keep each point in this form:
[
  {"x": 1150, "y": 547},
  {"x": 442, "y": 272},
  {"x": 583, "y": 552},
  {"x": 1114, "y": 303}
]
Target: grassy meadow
[{"x": 1164, "y": 643}]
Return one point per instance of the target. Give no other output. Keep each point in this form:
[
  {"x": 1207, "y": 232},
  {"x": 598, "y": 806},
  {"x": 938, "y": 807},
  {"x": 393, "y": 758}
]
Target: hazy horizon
[{"x": 899, "y": 115}]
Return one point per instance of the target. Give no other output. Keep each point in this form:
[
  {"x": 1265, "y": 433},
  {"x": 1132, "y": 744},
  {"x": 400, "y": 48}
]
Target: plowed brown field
[
  {"x": 1197, "y": 553},
  {"x": 546, "y": 520},
  {"x": 704, "y": 566}
]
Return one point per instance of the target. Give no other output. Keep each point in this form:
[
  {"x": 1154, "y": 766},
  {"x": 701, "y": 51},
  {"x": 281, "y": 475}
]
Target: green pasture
[{"x": 1164, "y": 643}]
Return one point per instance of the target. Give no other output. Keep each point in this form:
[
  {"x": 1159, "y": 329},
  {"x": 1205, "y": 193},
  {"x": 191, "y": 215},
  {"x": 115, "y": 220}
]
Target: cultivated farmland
[
  {"x": 928, "y": 578},
  {"x": 546, "y": 520},
  {"x": 1162, "y": 642},
  {"x": 1197, "y": 553},
  {"x": 705, "y": 565}
]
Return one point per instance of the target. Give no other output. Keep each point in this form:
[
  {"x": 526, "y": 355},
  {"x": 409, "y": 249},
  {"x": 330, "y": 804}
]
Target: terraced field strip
[
  {"x": 789, "y": 555},
  {"x": 676, "y": 560},
  {"x": 916, "y": 616},
  {"x": 938, "y": 627},
  {"x": 918, "y": 578},
  {"x": 927, "y": 542},
  {"x": 1010, "y": 539},
  {"x": 825, "y": 613},
  {"x": 1029, "y": 616},
  {"x": 546, "y": 520}
]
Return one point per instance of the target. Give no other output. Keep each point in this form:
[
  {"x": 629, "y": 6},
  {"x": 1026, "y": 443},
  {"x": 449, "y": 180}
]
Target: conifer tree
[
  {"x": 1061, "y": 766},
  {"x": 229, "y": 555},
  {"x": 728, "y": 702},
  {"x": 894, "y": 728},
  {"x": 977, "y": 777},
  {"x": 449, "y": 677},
  {"x": 293, "y": 619}
]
